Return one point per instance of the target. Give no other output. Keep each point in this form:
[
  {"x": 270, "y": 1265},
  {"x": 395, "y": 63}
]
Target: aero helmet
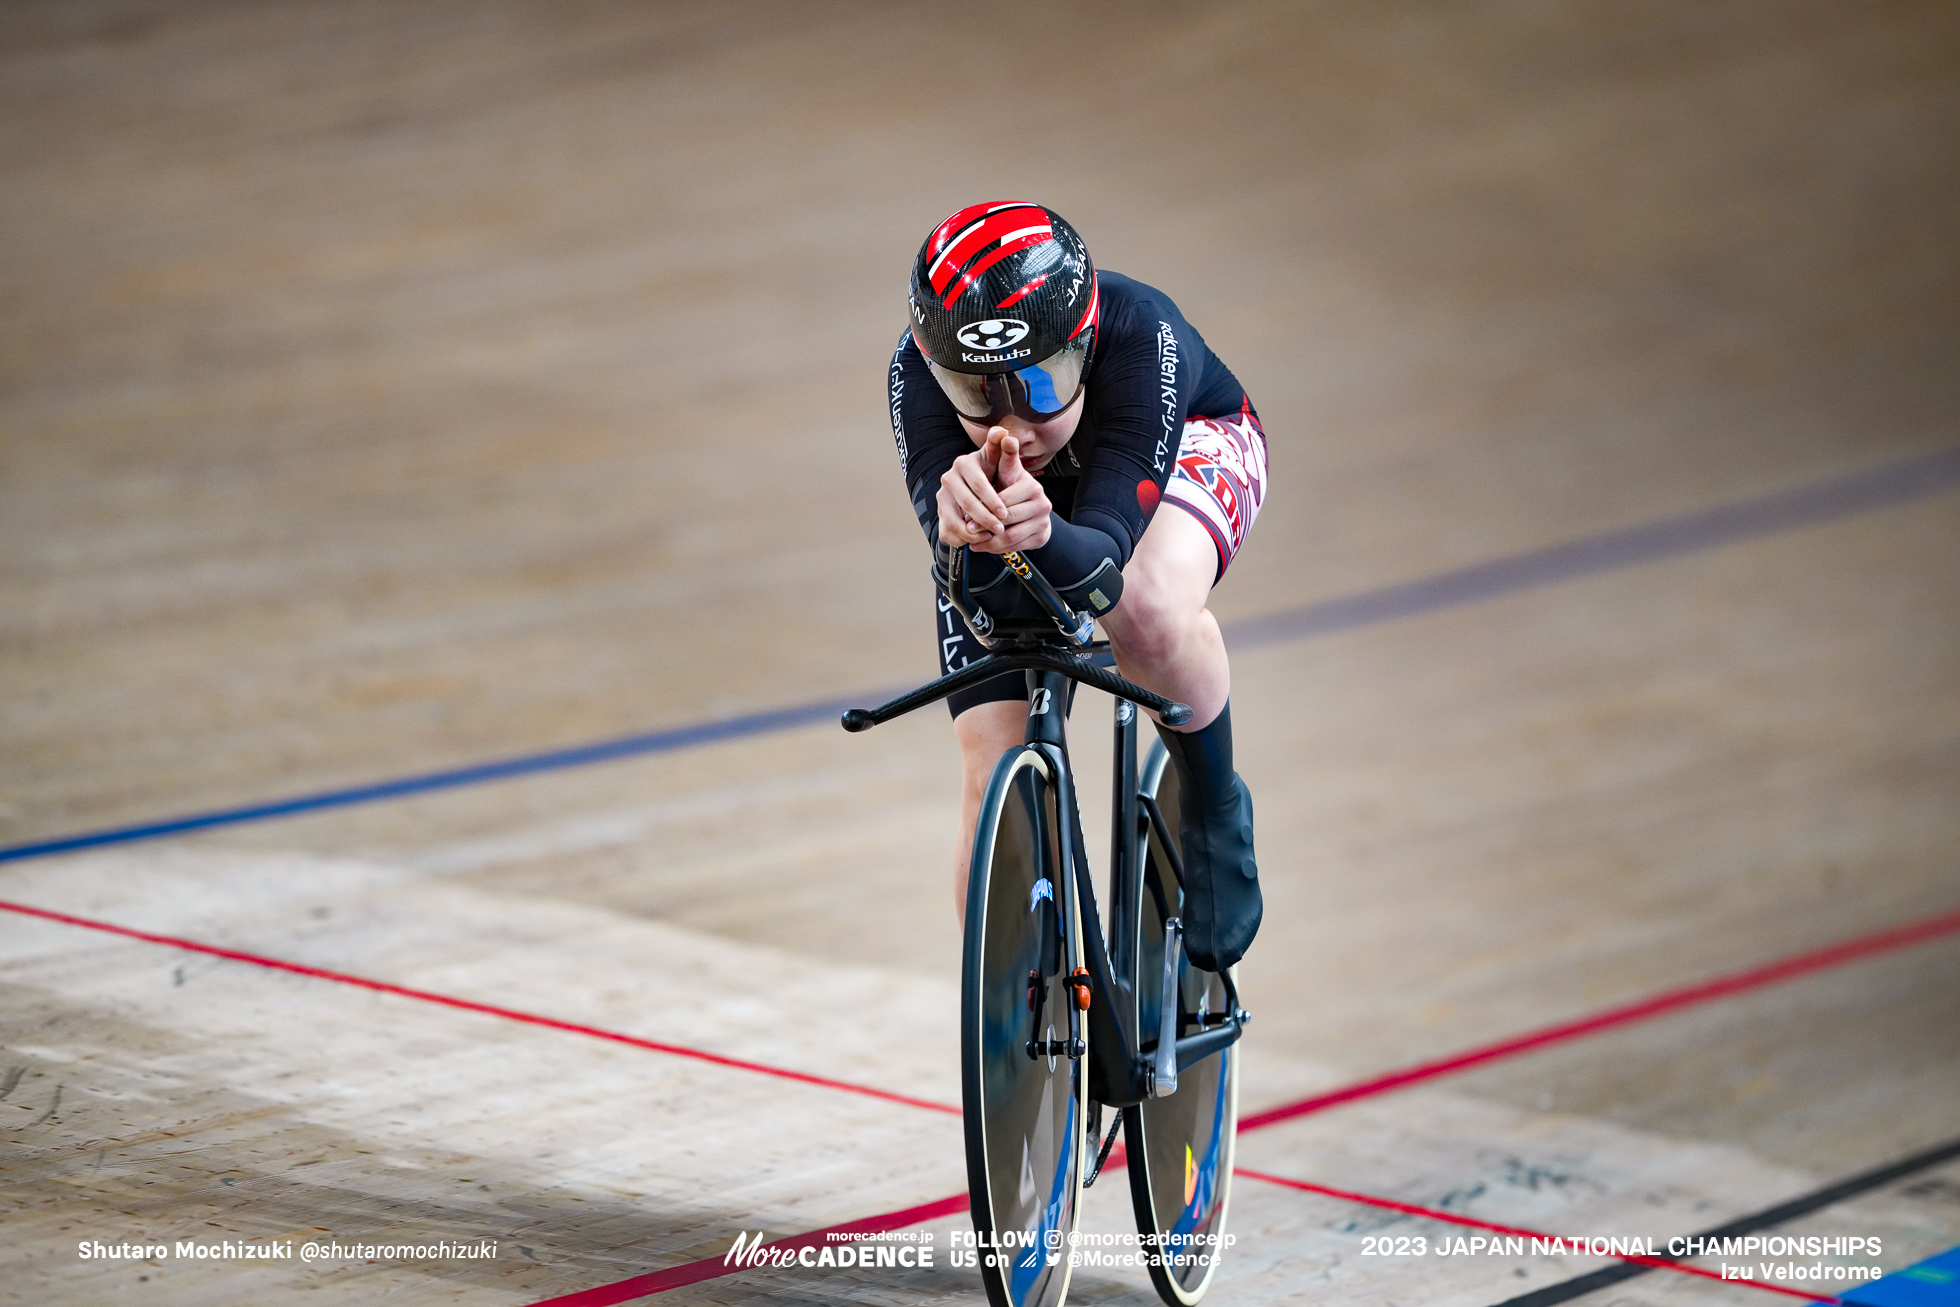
[{"x": 1004, "y": 310}]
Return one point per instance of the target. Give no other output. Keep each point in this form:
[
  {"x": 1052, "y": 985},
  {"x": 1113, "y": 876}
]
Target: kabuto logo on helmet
[{"x": 994, "y": 333}]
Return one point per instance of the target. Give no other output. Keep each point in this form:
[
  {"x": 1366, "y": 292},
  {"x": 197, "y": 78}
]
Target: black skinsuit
[{"x": 1151, "y": 371}]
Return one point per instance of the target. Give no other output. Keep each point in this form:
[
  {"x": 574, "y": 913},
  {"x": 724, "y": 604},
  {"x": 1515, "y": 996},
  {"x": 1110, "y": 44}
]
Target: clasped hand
[{"x": 989, "y": 501}]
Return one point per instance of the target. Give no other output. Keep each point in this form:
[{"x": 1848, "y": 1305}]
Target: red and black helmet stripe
[
  {"x": 958, "y": 224},
  {"x": 976, "y": 238}
]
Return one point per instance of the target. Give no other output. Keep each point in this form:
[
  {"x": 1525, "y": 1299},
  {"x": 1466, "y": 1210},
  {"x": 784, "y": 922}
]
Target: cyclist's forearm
[{"x": 1083, "y": 563}]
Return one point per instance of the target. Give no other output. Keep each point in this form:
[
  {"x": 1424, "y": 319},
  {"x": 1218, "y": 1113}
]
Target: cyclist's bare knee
[
  {"x": 984, "y": 731},
  {"x": 1166, "y": 586}
]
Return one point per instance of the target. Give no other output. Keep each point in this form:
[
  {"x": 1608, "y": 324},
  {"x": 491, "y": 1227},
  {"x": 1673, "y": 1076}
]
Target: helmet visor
[{"x": 1037, "y": 392}]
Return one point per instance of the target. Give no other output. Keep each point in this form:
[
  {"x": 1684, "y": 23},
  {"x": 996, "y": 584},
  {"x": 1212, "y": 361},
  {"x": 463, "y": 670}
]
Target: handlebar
[{"x": 1019, "y": 651}]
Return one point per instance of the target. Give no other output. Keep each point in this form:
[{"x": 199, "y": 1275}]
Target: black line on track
[{"x": 1567, "y": 1290}]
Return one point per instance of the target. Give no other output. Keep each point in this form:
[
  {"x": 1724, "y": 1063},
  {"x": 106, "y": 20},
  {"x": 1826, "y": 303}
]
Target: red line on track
[
  {"x": 468, "y": 1005},
  {"x": 1770, "y": 973},
  {"x": 1430, "y": 1213},
  {"x": 1640, "y": 1010},
  {"x": 1789, "y": 968},
  {"x": 690, "y": 1273},
  {"x": 708, "y": 1268}
]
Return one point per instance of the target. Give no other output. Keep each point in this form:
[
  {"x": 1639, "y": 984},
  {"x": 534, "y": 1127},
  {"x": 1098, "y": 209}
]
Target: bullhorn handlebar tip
[
  {"x": 857, "y": 719},
  {"x": 1175, "y": 715}
]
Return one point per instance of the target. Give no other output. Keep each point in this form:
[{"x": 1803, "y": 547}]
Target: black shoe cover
[{"x": 1222, "y": 903}]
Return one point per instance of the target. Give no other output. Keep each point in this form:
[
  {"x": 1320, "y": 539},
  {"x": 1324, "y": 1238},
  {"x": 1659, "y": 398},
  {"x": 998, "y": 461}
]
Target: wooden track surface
[{"x": 386, "y": 388}]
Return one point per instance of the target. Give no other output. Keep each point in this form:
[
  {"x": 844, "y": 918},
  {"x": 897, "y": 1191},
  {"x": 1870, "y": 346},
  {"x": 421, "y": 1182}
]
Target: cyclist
[{"x": 1044, "y": 407}]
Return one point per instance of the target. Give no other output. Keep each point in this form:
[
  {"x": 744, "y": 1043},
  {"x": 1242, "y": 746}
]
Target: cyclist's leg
[
  {"x": 985, "y": 731},
  {"x": 1169, "y": 641},
  {"x": 988, "y": 720},
  {"x": 1164, "y": 637}
]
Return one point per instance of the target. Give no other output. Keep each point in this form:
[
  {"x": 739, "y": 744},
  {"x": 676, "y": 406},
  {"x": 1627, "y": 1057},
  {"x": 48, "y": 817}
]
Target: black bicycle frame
[{"x": 1120, "y": 1074}]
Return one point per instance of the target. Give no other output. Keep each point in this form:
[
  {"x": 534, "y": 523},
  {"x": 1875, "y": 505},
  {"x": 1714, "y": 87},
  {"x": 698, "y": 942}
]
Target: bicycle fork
[
  {"x": 1122, "y": 1072},
  {"x": 1047, "y": 714}
]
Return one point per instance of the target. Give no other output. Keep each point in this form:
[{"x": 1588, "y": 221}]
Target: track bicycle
[{"x": 1060, "y": 1023}]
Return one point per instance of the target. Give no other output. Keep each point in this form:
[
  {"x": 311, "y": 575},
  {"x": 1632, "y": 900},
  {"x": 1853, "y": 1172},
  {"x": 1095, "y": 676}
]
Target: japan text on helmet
[{"x": 1004, "y": 309}]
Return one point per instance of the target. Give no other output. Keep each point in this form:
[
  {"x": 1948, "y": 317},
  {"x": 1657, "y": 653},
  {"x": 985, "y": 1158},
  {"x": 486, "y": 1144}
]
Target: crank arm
[{"x": 1163, "y": 1074}]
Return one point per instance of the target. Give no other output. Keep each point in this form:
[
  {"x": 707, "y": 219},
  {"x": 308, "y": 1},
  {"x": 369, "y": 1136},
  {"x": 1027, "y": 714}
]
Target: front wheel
[
  {"x": 1180, "y": 1147},
  {"x": 1023, "y": 1058}
]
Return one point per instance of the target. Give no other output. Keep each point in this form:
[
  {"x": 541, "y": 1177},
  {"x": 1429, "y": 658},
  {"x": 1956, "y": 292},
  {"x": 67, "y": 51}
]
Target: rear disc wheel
[{"x": 1180, "y": 1147}]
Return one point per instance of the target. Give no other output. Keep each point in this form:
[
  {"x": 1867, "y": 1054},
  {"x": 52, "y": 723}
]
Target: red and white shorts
[{"x": 1220, "y": 478}]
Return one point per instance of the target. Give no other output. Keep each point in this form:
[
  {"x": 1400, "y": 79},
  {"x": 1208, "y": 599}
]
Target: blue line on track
[
  {"x": 1842, "y": 496},
  {"x": 626, "y": 746},
  {"x": 1823, "y": 501}
]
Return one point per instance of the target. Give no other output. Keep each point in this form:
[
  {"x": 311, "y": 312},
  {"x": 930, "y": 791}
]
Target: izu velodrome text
[{"x": 1768, "y": 1245}]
